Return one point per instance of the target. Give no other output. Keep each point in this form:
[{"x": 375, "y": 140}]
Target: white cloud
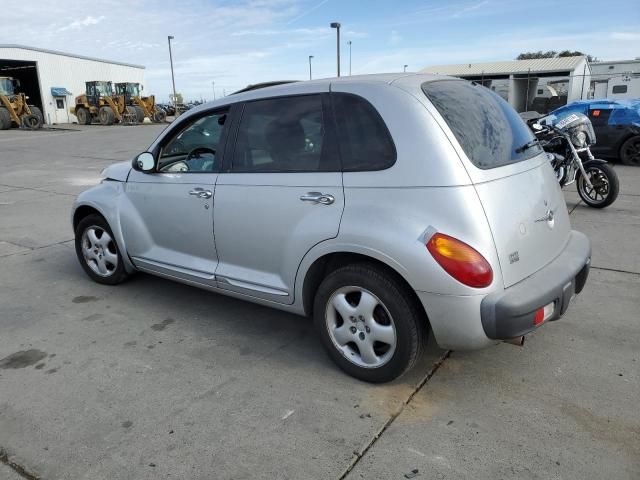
[
  {"x": 394, "y": 38},
  {"x": 80, "y": 24},
  {"x": 630, "y": 36}
]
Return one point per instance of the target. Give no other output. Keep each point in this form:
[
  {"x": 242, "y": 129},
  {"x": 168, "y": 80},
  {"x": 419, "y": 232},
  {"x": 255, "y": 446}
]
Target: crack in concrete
[
  {"x": 14, "y": 187},
  {"x": 33, "y": 249},
  {"x": 21, "y": 470},
  {"x": 616, "y": 270},
  {"x": 359, "y": 455}
]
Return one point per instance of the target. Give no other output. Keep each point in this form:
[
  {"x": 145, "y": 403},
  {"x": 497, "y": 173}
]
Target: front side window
[
  {"x": 365, "y": 143},
  {"x": 488, "y": 129},
  {"x": 195, "y": 148},
  {"x": 285, "y": 134}
]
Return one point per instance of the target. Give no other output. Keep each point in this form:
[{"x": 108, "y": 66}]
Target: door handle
[
  {"x": 318, "y": 197},
  {"x": 201, "y": 193}
]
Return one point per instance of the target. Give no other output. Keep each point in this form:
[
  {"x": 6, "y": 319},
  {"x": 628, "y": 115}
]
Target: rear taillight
[{"x": 460, "y": 260}]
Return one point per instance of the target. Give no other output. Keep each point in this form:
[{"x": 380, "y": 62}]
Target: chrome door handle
[
  {"x": 201, "y": 193},
  {"x": 318, "y": 197}
]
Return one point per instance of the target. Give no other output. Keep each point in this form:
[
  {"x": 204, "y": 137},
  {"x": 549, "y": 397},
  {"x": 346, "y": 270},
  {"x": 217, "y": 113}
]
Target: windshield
[
  {"x": 6, "y": 86},
  {"x": 104, "y": 89},
  {"x": 488, "y": 129},
  {"x": 130, "y": 89}
]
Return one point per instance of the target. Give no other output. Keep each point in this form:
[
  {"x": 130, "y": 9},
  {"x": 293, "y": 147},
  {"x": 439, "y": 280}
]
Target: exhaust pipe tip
[{"x": 519, "y": 341}]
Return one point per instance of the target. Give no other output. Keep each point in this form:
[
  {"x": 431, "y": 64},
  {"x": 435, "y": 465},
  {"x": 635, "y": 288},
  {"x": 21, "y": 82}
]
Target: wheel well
[
  {"x": 323, "y": 266},
  {"x": 82, "y": 212}
]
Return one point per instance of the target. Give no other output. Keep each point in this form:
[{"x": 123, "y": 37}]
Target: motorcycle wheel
[{"x": 605, "y": 185}]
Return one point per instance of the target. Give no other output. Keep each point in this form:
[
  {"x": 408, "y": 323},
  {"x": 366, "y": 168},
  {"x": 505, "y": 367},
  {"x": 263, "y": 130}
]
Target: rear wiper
[{"x": 528, "y": 145}]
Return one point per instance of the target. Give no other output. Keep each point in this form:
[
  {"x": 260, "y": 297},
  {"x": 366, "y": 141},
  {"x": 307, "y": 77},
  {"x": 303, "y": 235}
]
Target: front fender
[
  {"x": 104, "y": 198},
  {"x": 595, "y": 161}
]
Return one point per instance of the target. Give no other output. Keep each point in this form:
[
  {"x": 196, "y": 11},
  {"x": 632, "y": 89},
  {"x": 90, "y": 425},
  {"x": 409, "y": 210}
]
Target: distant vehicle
[
  {"x": 384, "y": 206},
  {"x": 617, "y": 127},
  {"x": 14, "y": 109},
  {"x": 621, "y": 87}
]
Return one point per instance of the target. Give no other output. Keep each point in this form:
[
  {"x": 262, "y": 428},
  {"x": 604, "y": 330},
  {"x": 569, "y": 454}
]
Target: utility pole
[
  {"x": 349, "y": 42},
  {"x": 213, "y": 87},
  {"x": 173, "y": 80},
  {"x": 405, "y": 68},
  {"x": 336, "y": 25},
  {"x": 310, "y": 57}
]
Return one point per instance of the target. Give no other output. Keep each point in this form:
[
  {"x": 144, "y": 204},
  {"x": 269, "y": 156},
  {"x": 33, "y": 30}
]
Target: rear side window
[
  {"x": 619, "y": 89},
  {"x": 365, "y": 143},
  {"x": 285, "y": 134},
  {"x": 488, "y": 129}
]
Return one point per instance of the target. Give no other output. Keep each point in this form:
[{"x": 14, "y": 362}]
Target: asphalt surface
[{"x": 153, "y": 379}]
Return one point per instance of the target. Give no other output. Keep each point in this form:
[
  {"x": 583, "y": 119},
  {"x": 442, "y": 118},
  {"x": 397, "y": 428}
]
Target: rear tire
[
  {"x": 133, "y": 114},
  {"x": 106, "y": 115},
  {"x": 369, "y": 323},
  {"x": 139, "y": 113},
  {"x": 159, "y": 116},
  {"x": 605, "y": 182},
  {"x": 98, "y": 252},
  {"x": 5, "y": 119},
  {"x": 38, "y": 113},
  {"x": 630, "y": 151}
]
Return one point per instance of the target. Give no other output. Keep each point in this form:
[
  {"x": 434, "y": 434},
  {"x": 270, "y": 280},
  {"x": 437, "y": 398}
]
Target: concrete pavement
[{"x": 154, "y": 379}]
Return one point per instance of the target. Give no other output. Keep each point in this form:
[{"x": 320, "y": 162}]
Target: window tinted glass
[
  {"x": 283, "y": 135},
  {"x": 195, "y": 148},
  {"x": 619, "y": 89},
  {"x": 489, "y": 131},
  {"x": 365, "y": 143}
]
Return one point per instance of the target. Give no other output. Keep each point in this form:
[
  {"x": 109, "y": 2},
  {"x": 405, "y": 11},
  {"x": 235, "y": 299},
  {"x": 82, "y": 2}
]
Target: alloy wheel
[
  {"x": 99, "y": 251},
  {"x": 361, "y": 327},
  {"x": 600, "y": 182}
]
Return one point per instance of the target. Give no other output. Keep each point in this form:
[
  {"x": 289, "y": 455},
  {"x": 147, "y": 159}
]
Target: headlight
[{"x": 579, "y": 139}]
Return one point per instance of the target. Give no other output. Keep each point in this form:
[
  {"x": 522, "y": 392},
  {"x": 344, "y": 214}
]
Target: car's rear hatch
[{"x": 520, "y": 195}]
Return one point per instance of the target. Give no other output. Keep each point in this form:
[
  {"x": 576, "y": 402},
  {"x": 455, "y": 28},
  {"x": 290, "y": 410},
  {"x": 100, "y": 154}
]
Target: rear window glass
[
  {"x": 365, "y": 143},
  {"x": 488, "y": 129}
]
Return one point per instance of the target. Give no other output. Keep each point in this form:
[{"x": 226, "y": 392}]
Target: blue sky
[{"x": 234, "y": 43}]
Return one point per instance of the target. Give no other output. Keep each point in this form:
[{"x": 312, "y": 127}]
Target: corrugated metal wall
[{"x": 59, "y": 70}]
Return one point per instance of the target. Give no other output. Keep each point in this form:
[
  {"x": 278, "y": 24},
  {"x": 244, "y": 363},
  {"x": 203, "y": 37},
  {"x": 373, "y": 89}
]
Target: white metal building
[
  {"x": 53, "y": 79},
  {"x": 528, "y": 84}
]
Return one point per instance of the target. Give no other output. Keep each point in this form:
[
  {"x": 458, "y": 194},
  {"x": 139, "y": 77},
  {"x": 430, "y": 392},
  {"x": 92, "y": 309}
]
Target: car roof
[{"x": 299, "y": 87}]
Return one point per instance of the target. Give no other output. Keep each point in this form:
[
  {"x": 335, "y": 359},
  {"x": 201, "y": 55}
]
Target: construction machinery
[
  {"x": 14, "y": 109},
  {"x": 99, "y": 103},
  {"x": 145, "y": 107}
]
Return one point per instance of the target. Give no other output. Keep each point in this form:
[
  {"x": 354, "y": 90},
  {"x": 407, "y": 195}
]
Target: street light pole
[
  {"x": 173, "y": 80},
  {"x": 310, "y": 57},
  {"x": 349, "y": 42},
  {"x": 336, "y": 25},
  {"x": 405, "y": 68}
]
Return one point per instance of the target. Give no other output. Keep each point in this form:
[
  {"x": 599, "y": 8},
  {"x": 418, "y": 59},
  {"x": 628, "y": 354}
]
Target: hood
[{"x": 118, "y": 172}]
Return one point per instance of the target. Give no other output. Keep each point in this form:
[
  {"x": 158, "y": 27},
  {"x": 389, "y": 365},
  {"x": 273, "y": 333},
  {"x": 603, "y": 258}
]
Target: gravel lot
[{"x": 153, "y": 379}]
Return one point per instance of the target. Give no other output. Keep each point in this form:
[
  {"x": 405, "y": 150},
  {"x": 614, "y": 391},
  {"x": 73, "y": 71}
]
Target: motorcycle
[{"x": 565, "y": 138}]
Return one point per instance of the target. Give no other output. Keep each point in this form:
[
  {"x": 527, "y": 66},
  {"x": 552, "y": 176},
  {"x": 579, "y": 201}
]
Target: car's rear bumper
[{"x": 510, "y": 313}]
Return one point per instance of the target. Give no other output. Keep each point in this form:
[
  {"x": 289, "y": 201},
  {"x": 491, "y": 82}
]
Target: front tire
[
  {"x": 106, "y": 115},
  {"x": 606, "y": 185},
  {"x": 369, "y": 323},
  {"x": 630, "y": 151},
  {"x": 98, "y": 251}
]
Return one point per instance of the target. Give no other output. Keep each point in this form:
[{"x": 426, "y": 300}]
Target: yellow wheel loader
[
  {"x": 98, "y": 103},
  {"x": 144, "y": 106},
  {"x": 14, "y": 109}
]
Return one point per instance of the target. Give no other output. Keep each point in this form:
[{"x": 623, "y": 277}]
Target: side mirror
[
  {"x": 141, "y": 87},
  {"x": 144, "y": 162}
]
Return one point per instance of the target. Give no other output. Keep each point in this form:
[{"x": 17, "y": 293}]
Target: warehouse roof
[
  {"x": 54, "y": 52},
  {"x": 560, "y": 64}
]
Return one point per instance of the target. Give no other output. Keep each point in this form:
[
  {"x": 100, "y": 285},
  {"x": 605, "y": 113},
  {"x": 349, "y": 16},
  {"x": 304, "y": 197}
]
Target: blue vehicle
[{"x": 617, "y": 126}]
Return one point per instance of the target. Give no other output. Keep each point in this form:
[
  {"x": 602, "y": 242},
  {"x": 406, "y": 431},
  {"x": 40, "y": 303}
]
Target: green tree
[
  {"x": 554, "y": 54},
  {"x": 178, "y": 98}
]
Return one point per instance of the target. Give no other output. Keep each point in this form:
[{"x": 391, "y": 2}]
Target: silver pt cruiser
[{"x": 383, "y": 206}]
